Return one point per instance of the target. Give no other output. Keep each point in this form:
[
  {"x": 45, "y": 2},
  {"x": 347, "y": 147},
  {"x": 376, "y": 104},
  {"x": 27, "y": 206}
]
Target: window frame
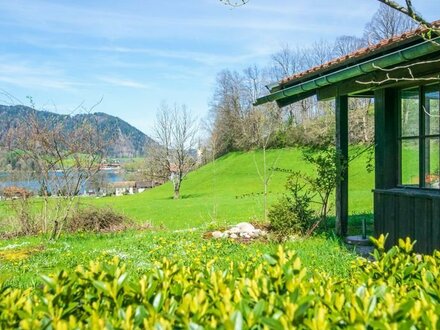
[{"x": 422, "y": 137}]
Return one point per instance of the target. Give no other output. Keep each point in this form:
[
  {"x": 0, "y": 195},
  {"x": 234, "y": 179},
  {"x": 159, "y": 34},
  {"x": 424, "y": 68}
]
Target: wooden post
[
  {"x": 342, "y": 165},
  {"x": 385, "y": 137}
]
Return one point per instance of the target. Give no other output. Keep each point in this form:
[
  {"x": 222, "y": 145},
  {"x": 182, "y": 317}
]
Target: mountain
[{"x": 126, "y": 140}]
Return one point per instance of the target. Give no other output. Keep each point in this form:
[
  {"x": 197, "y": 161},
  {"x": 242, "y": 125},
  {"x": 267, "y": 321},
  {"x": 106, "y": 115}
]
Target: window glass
[
  {"x": 410, "y": 162},
  {"x": 432, "y": 165},
  {"x": 410, "y": 112},
  {"x": 431, "y": 109}
]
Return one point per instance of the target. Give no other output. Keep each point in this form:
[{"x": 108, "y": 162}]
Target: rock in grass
[
  {"x": 245, "y": 227},
  {"x": 217, "y": 234},
  {"x": 243, "y": 230}
]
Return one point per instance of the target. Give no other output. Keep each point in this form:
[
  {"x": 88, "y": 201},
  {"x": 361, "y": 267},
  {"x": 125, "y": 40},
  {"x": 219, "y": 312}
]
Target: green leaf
[
  {"x": 270, "y": 259},
  {"x": 49, "y": 281},
  {"x": 102, "y": 286},
  {"x": 259, "y": 308},
  {"x": 122, "y": 279},
  {"x": 157, "y": 302},
  {"x": 272, "y": 323},
  {"x": 372, "y": 304},
  {"x": 237, "y": 318}
]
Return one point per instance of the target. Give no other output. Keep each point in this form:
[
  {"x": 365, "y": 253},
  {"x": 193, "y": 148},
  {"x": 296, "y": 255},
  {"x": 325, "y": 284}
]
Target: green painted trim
[{"x": 394, "y": 58}]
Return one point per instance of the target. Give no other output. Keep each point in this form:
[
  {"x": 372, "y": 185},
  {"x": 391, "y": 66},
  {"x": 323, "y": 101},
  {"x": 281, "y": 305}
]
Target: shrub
[
  {"x": 96, "y": 219},
  {"x": 22, "y": 220},
  {"x": 292, "y": 213},
  {"x": 399, "y": 290}
]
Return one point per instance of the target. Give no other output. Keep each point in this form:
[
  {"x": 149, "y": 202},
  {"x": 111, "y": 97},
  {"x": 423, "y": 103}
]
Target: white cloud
[
  {"x": 27, "y": 75},
  {"x": 121, "y": 82}
]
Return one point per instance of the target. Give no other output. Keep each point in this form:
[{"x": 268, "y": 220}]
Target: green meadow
[
  {"x": 224, "y": 192},
  {"x": 230, "y": 190}
]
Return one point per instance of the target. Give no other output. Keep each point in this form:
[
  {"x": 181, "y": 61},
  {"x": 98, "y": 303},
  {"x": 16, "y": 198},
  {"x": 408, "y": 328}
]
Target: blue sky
[{"x": 137, "y": 53}]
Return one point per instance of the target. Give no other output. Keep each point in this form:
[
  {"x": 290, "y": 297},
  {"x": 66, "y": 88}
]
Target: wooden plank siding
[{"x": 402, "y": 213}]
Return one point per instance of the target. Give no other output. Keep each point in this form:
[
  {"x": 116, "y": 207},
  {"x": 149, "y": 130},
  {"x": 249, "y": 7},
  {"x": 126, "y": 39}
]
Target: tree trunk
[
  {"x": 177, "y": 188},
  {"x": 176, "y": 193}
]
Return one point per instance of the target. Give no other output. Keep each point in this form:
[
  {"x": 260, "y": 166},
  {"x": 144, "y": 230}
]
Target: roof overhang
[{"x": 293, "y": 90}]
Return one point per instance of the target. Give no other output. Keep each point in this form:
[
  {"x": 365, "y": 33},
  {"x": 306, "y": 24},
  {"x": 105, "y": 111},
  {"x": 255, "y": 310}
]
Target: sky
[{"x": 135, "y": 54}]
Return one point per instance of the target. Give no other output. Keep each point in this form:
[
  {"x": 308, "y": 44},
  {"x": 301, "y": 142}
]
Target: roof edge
[{"x": 384, "y": 61}]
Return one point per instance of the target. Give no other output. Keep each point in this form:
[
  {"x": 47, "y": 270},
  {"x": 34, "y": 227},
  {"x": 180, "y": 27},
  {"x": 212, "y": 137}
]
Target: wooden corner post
[{"x": 342, "y": 164}]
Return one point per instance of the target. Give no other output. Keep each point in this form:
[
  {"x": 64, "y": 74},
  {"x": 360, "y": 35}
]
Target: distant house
[
  {"x": 122, "y": 188},
  {"x": 109, "y": 166},
  {"x": 141, "y": 186},
  {"x": 13, "y": 192}
]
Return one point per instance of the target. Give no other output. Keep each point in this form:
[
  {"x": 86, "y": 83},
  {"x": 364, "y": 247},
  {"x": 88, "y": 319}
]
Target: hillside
[
  {"x": 127, "y": 141},
  {"x": 229, "y": 190}
]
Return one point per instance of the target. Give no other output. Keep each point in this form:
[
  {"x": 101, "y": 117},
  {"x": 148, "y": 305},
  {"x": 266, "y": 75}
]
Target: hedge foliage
[{"x": 398, "y": 290}]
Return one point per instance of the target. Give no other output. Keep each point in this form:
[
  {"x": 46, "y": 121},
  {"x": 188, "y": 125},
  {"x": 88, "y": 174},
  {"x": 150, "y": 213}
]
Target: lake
[{"x": 28, "y": 180}]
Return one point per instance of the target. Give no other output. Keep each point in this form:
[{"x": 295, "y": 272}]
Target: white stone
[
  {"x": 217, "y": 234},
  {"x": 233, "y": 230},
  {"x": 234, "y": 236},
  {"x": 255, "y": 233},
  {"x": 245, "y": 227}
]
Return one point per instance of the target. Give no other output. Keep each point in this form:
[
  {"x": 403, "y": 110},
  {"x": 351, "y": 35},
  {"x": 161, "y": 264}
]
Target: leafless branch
[
  {"x": 408, "y": 10},
  {"x": 234, "y": 3}
]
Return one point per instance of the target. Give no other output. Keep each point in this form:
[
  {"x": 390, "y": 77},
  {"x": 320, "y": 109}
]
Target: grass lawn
[
  {"x": 229, "y": 190},
  {"x": 224, "y": 192},
  {"x": 23, "y": 259}
]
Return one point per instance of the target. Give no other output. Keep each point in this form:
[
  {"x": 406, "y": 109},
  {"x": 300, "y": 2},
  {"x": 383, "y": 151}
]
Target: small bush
[
  {"x": 22, "y": 220},
  {"x": 97, "y": 219},
  {"x": 293, "y": 213}
]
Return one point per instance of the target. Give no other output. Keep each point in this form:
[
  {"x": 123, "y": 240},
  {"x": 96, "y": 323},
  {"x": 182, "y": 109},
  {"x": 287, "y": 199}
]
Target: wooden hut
[{"x": 402, "y": 74}]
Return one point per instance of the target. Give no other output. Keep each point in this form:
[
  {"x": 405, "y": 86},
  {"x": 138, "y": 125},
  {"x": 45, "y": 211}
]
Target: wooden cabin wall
[{"x": 400, "y": 212}]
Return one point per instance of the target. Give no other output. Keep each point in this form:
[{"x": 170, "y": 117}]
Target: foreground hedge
[{"x": 399, "y": 290}]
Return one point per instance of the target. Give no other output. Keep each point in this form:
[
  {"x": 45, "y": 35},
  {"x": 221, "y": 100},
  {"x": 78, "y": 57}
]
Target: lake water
[{"x": 29, "y": 182}]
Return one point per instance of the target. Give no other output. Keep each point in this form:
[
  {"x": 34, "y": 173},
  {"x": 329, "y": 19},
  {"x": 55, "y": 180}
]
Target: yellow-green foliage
[
  {"x": 399, "y": 290},
  {"x": 15, "y": 255}
]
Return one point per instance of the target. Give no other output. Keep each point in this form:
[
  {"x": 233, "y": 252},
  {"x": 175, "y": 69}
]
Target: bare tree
[
  {"x": 63, "y": 157},
  {"x": 386, "y": 23},
  {"x": 265, "y": 123},
  {"x": 320, "y": 52},
  {"x": 361, "y": 128},
  {"x": 173, "y": 157},
  {"x": 286, "y": 62},
  {"x": 228, "y": 109},
  {"x": 345, "y": 45},
  {"x": 409, "y": 10}
]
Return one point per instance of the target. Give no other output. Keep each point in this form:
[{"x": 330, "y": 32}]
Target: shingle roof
[{"x": 360, "y": 53}]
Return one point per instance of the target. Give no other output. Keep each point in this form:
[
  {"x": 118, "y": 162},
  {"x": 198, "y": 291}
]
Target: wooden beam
[
  {"x": 342, "y": 165},
  {"x": 386, "y": 105},
  {"x": 296, "y": 98}
]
